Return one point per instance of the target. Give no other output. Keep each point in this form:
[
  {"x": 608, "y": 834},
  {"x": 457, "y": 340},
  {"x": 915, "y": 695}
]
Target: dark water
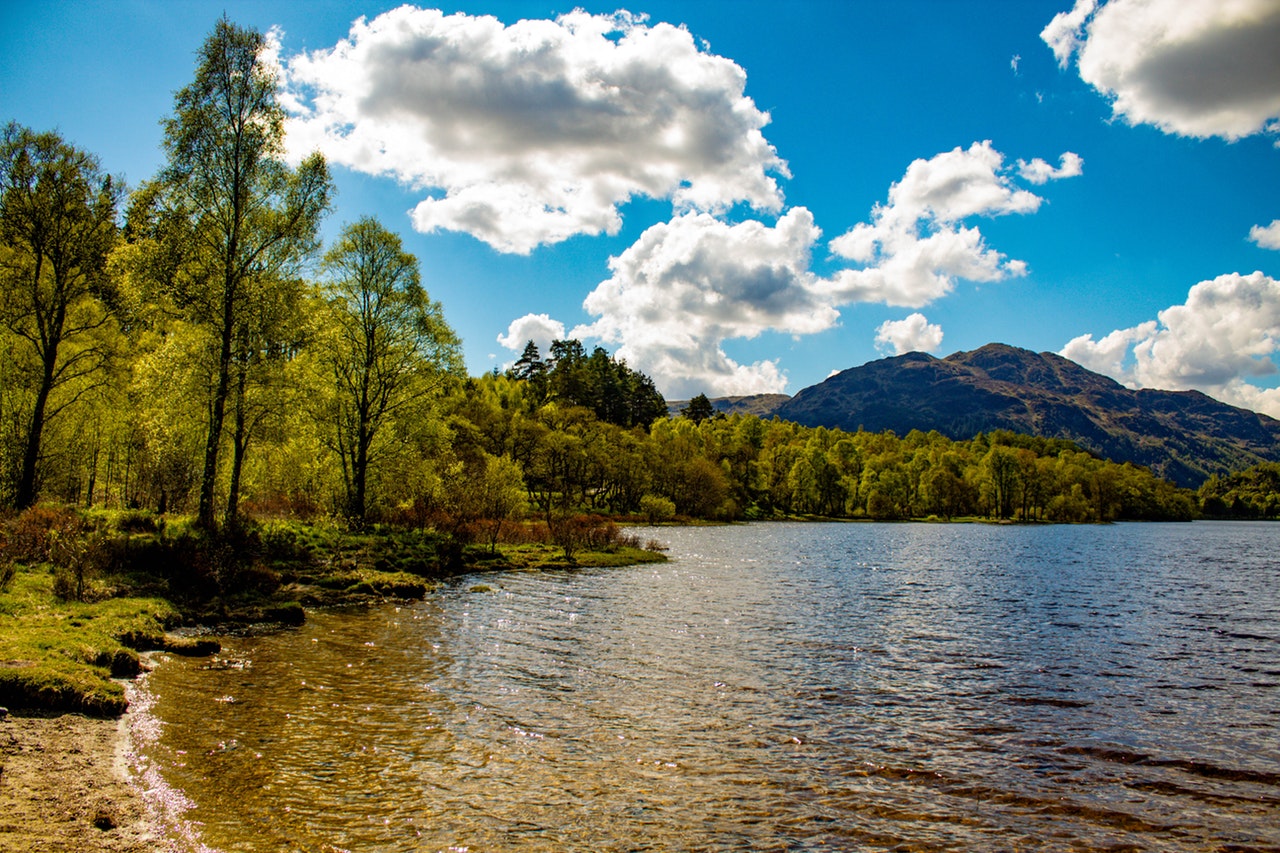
[{"x": 773, "y": 687}]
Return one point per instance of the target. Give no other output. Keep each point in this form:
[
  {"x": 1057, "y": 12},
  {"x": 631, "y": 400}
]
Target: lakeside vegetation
[{"x": 82, "y": 593}]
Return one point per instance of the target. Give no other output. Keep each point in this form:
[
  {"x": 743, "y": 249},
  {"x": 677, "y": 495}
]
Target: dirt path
[{"x": 63, "y": 787}]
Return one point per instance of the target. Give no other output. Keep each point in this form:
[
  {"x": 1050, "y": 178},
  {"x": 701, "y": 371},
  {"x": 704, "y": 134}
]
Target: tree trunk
[
  {"x": 209, "y": 481},
  {"x": 359, "y": 469},
  {"x": 239, "y": 447},
  {"x": 31, "y": 454}
]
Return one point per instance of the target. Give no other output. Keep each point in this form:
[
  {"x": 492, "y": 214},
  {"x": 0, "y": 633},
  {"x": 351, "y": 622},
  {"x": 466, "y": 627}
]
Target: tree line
[
  {"x": 190, "y": 346},
  {"x": 1249, "y": 494}
]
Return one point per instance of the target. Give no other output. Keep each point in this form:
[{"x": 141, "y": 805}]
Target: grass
[
  {"x": 63, "y": 655},
  {"x": 540, "y": 557}
]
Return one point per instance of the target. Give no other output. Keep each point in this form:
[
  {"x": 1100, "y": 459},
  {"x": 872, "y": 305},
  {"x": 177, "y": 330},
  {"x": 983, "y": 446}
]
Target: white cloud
[
  {"x": 1190, "y": 67},
  {"x": 690, "y": 284},
  {"x": 1038, "y": 171},
  {"x": 913, "y": 333},
  {"x": 1227, "y": 332},
  {"x": 1109, "y": 354},
  {"x": 1266, "y": 236},
  {"x": 529, "y": 134},
  {"x": 914, "y": 249},
  {"x": 539, "y": 328},
  {"x": 1064, "y": 33}
]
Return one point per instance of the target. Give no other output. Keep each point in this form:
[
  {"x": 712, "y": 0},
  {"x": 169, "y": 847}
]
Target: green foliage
[
  {"x": 656, "y": 508},
  {"x": 613, "y": 392},
  {"x": 1252, "y": 493},
  {"x": 57, "y": 228}
]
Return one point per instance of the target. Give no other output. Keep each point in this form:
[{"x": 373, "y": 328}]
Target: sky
[{"x": 743, "y": 197}]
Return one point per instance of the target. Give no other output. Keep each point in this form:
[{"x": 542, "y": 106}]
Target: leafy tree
[
  {"x": 57, "y": 227},
  {"x": 657, "y": 508},
  {"x": 387, "y": 348},
  {"x": 489, "y": 494},
  {"x": 1000, "y": 471},
  {"x": 234, "y": 219}
]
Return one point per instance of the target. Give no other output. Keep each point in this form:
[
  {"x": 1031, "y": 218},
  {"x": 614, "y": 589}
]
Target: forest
[{"x": 189, "y": 347}]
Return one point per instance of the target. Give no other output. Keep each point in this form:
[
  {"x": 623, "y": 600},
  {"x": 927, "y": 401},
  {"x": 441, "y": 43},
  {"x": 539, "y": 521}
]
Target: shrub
[
  {"x": 28, "y": 538},
  {"x": 576, "y": 532},
  {"x": 657, "y": 508},
  {"x": 78, "y": 557},
  {"x": 138, "y": 521}
]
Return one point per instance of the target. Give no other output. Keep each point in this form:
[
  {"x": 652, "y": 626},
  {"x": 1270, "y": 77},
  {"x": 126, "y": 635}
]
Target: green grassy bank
[{"x": 81, "y": 595}]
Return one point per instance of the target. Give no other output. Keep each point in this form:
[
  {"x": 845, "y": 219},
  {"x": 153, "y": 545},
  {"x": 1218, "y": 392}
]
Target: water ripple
[{"x": 774, "y": 687}]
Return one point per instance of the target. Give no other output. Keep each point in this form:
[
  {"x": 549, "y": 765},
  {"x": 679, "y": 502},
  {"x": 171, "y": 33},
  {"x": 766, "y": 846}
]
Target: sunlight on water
[{"x": 773, "y": 687}]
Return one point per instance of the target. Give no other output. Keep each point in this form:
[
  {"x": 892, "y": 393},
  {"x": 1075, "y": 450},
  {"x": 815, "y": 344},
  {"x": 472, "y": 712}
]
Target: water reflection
[{"x": 916, "y": 687}]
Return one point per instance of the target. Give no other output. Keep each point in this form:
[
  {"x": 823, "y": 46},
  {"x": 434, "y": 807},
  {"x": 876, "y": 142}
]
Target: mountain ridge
[{"x": 1184, "y": 436}]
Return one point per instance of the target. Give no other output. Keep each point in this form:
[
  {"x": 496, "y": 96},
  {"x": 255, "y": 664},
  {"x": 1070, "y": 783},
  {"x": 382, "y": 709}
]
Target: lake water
[{"x": 773, "y": 687}]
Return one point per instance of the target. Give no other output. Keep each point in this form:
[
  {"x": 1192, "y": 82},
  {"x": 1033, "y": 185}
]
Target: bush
[
  {"x": 657, "y": 508},
  {"x": 577, "y": 532},
  {"x": 78, "y": 557},
  {"x": 29, "y": 537}
]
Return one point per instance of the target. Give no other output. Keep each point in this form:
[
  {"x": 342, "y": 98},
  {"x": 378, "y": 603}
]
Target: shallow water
[{"x": 773, "y": 687}]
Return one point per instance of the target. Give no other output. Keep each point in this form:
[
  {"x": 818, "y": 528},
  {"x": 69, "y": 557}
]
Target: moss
[
  {"x": 53, "y": 687},
  {"x": 62, "y": 656},
  {"x": 286, "y": 613},
  {"x": 191, "y": 646},
  {"x": 373, "y": 582}
]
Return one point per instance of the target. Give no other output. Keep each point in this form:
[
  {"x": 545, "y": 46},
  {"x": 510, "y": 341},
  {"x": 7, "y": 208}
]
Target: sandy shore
[{"x": 63, "y": 787}]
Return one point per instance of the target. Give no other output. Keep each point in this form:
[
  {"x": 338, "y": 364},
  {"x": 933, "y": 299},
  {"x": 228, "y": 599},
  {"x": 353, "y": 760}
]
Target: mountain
[
  {"x": 761, "y": 405},
  {"x": 1183, "y": 436}
]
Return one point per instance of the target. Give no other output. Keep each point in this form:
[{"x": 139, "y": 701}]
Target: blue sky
[{"x": 743, "y": 197}]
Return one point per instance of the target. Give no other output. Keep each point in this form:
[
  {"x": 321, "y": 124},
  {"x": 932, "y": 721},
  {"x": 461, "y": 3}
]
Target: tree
[
  {"x": 236, "y": 219},
  {"x": 529, "y": 366},
  {"x": 698, "y": 410},
  {"x": 489, "y": 495},
  {"x": 387, "y": 347},
  {"x": 1000, "y": 469},
  {"x": 57, "y": 228}
]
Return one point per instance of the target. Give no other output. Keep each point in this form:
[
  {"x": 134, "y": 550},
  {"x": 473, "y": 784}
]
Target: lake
[{"x": 777, "y": 686}]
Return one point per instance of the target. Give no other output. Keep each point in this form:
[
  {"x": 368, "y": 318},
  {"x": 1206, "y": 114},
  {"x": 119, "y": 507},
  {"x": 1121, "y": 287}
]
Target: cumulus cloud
[
  {"x": 689, "y": 284},
  {"x": 1266, "y": 236},
  {"x": 1064, "y": 34},
  {"x": 1070, "y": 165},
  {"x": 915, "y": 248},
  {"x": 539, "y": 328},
  {"x": 1190, "y": 67},
  {"x": 528, "y": 134},
  {"x": 1109, "y": 354},
  {"x": 913, "y": 333},
  {"x": 1226, "y": 333}
]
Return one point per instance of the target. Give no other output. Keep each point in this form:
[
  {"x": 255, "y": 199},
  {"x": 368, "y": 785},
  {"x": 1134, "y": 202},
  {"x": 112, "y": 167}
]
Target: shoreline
[{"x": 65, "y": 786}]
